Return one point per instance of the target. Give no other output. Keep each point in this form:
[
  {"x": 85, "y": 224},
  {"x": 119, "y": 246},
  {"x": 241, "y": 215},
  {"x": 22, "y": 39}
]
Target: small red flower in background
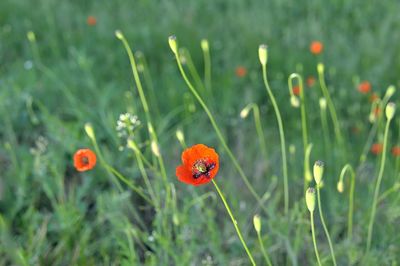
[
  {"x": 374, "y": 97},
  {"x": 377, "y": 111},
  {"x": 310, "y": 81},
  {"x": 296, "y": 90},
  {"x": 84, "y": 160},
  {"x": 364, "y": 87},
  {"x": 376, "y": 148},
  {"x": 356, "y": 130},
  {"x": 316, "y": 47},
  {"x": 241, "y": 71},
  {"x": 396, "y": 151},
  {"x": 91, "y": 20},
  {"x": 200, "y": 164}
]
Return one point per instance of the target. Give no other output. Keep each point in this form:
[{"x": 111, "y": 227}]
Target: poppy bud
[
  {"x": 310, "y": 199},
  {"x": 390, "y": 91},
  {"x": 263, "y": 54},
  {"x": 318, "y": 171},
  {"x": 257, "y": 223},
  {"x": 294, "y": 101},
  {"x": 308, "y": 176},
  {"x": 320, "y": 68},
  {"x": 31, "y": 36},
  {"x": 180, "y": 136},
  {"x": 173, "y": 43},
  {"x": 245, "y": 111},
  {"x": 119, "y": 35},
  {"x": 155, "y": 149},
  {"x": 204, "y": 45},
  {"x": 322, "y": 103},
  {"x": 390, "y": 110},
  {"x": 89, "y": 131},
  {"x": 340, "y": 186}
]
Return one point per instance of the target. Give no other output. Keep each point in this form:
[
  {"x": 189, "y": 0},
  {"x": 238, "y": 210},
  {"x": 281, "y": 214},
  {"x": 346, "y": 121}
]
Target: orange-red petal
[{"x": 84, "y": 160}]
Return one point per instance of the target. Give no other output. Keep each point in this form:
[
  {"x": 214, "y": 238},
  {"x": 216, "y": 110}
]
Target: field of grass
[{"x": 66, "y": 78}]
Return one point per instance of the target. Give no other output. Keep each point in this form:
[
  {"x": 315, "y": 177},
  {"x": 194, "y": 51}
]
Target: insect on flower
[
  {"x": 84, "y": 160},
  {"x": 241, "y": 71},
  {"x": 199, "y": 165},
  {"x": 376, "y": 148},
  {"x": 364, "y": 87},
  {"x": 316, "y": 47},
  {"x": 91, "y": 20}
]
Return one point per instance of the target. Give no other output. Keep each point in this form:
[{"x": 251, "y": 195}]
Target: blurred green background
[{"x": 76, "y": 73}]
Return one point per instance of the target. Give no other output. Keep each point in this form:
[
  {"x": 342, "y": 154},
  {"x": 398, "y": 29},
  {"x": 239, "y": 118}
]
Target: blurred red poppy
[
  {"x": 84, "y": 160},
  {"x": 374, "y": 97},
  {"x": 241, "y": 71},
  {"x": 396, "y": 151},
  {"x": 377, "y": 148},
  {"x": 364, "y": 87},
  {"x": 310, "y": 81},
  {"x": 296, "y": 90},
  {"x": 91, "y": 20},
  {"x": 200, "y": 164},
  {"x": 316, "y": 47}
]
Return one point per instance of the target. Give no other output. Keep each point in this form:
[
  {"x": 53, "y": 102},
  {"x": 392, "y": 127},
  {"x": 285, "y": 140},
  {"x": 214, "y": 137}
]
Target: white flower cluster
[
  {"x": 40, "y": 147},
  {"x": 127, "y": 124}
]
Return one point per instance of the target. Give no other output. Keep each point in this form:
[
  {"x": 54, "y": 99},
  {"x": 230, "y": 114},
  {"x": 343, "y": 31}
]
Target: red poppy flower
[
  {"x": 364, "y": 87},
  {"x": 396, "y": 151},
  {"x": 316, "y": 47},
  {"x": 84, "y": 160},
  {"x": 200, "y": 164},
  {"x": 296, "y": 90},
  {"x": 241, "y": 71},
  {"x": 377, "y": 148},
  {"x": 91, "y": 20},
  {"x": 374, "y": 97},
  {"x": 310, "y": 81}
]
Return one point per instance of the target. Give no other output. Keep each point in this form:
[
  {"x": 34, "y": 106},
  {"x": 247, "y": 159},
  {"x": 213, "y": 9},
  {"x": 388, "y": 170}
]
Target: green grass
[{"x": 74, "y": 73}]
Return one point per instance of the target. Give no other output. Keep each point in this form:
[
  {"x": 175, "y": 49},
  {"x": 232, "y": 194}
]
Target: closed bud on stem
[
  {"x": 204, "y": 45},
  {"x": 245, "y": 111},
  {"x": 89, "y": 131},
  {"x": 322, "y": 103},
  {"x": 257, "y": 223},
  {"x": 310, "y": 199},
  {"x": 390, "y": 110},
  {"x": 340, "y": 186},
  {"x": 294, "y": 101},
  {"x": 180, "y": 136},
  {"x": 31, "y": 36},
  {"x": 308, "y": 176},
  {"x": 318, "y": 171},
  {"x": 155, "y": 149},
  {"x": 119, "y": 35},
  {"x": 390, "y": 91},
  {"x": 173, "y": 43},
  {"x": 263, "y": 54},
  {"x": 320, "y": 68}
]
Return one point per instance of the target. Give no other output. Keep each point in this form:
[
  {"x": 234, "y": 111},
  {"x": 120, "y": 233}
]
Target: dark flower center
[
  {"x": 202, "y": 168},
  {"x": 85, "y": 160}
]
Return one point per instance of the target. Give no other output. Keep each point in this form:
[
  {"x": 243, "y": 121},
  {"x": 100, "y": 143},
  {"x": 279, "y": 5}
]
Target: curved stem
[
  {"x": 282, "y": 138},
  {"x": 377, "y": 187},
  {"x": 314, "y": 239},
  {"x": 207, "y": 69},
  {"x": 217, "y": 130},
  {"x": 324, "y": 225},
  {"x": 264, "y": 252},
  {"x": 349, "y": 168},
  {"x": 228, "y": 209}
]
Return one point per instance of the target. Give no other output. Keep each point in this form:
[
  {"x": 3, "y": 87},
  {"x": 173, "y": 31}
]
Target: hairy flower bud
[
  {"x": 173, "y": 43},
  {"x": 257, "y": 223},
  {"x": 318, "y": 171},
  {"x": 390, "y": 110},
  {"x": 310, "y": 199},
  {"x": 263, "y": 54}
]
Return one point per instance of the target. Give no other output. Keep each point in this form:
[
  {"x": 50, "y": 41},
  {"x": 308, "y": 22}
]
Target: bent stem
[
  {"x": 324, "y": 225},
  {"x": 217, "y": 130},
  {"x": 349, "y": 168},
  {"x": 228, "y": 209},
  {"x": 282, "y": 138},
  {"x": 377, "y": 186},
  {"x": 314, "y": 239}
]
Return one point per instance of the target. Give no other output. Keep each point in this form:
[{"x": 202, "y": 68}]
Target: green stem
[
  {"x": 324, "y": 225},
  {"x": 282, "y": 138},
  {"x": 193, "y": 71},
  {"x": 325, "y": 130},
  {"x": 264, "y": 252},
  {"x": 207, "y": 70},
  {"x": 332, "y": 111},
  {"x": 349, "y": 168},
  {"x": 234, "y": 222},
  {"x": 217, "y": 130},
  {"x": 377, "y": 186},
  {"x": 388, "y": 192},
  {"x": 314, "y": 239}
]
